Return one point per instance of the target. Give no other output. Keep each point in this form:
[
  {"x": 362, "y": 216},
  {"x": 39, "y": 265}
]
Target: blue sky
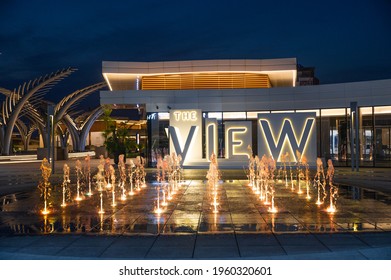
[{"x": 345, "y": 40}]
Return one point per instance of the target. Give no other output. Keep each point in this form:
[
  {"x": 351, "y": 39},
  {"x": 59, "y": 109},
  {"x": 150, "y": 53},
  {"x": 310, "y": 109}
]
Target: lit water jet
[
  {"x": 320, "y": 182},
  {"x": 213, "y": 176},
  {"x": 158, "y": 210},
  {"x": 300, "y": 174},
  {"x": 101, "y": 210},
  {"x": 131, "y": 172},
  {"x": 122, "y": 176},
  {"x": 78, "y": 175},
  {"x": 45, "y": 187},
  {"x": 65, "y": 182},
  {"x": 306, "y": 177},
  {"x": 333, "y": 189},
  {"x": 87, "y": 173},
  {"x": 271, "y": 191},
  {"x": 112, "y": 178}
]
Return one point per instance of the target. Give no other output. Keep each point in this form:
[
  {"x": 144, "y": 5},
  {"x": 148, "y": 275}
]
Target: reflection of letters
[
  {"x": 175, "y": 138},
  {"x": 287, "y": 134}
]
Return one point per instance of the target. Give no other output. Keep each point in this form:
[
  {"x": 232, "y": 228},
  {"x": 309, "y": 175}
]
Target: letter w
[
  {"x": 287, "y": 134},
  {"x": 176, "y": 142}
]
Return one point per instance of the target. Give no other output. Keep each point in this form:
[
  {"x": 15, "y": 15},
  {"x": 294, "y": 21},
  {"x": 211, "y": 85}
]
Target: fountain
[
  {"x": 251, "y": 170},
  {"x": 284, "y": 159},
  {"x": 300, "y": 174},
  {"x": 131, "y": 171},
  {"x": 306, "y": 176},
  {"x": 213, "y": 177},
  {"x": 159, "y": 168},
  {"x": 264, "y": 179},
  {"x": 122, "y": 176},
  {"x": 158, "y": 210},
  {"x": 272, "y": 168},
  {"x": 100, "y": 180},
  {"x": 45, "y": 187},
  {"x": 100, "y": 177},
  {"x": 78, "y": 176},
  {"x": 333, "y": 189},
  {"x": 140, "y": 173},
  {"x": 256, "y": 175},
  {"x": 107, "y": 166},
  {"x": 101, "y": 210},
  {"x": 112, "y": 186},
  {"x": 65, "y": 182},
  {"x": 320, "y": 182},
  {"x": 87, "y": 173}
]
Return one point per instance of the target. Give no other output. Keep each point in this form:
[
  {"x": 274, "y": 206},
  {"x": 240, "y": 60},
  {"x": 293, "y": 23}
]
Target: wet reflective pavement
[
  {"x": 188, "y": 228},
  {"x": 191, "y": 211}
]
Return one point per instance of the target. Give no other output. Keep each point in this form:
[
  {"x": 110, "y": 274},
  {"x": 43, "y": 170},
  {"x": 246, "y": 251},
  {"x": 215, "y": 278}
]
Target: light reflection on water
[{"x": 358, "y": 210}]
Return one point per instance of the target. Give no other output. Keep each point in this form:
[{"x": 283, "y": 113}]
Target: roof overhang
[{"x": 125, "y": 75}]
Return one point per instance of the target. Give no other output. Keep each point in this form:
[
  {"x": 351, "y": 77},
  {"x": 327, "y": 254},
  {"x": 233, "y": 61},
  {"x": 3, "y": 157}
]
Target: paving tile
[
  {"x": 305, "y": 249},
  {"x": 297, "y": 240},
  {"x": 164, "y": 252},
  {"x": 124, "y": 252},
  {"x": 376, "y": 239},
  {"x": 217, "y": 240},
  {"x": 377, "y": 253},
  {"x": 175, "y": 241},
  {"x": 339, "y": 239},
  {"x": 133, "y": 241},
  {"x": 257, "y": 251},
  {"x": 18, "y": 241},
  {"x": 257, "y": 240},
  {"x": 216, "y": 252},
  {"x": 84, "y": 251},
  {"x": 43, "y": 250}
]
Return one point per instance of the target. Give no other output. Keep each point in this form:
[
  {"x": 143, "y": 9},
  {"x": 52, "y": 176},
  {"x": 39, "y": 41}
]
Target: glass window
[
  {"x": 254, "y": 115},
  {"x": 289, "y": 111},
  {"x": 215, "y": 115},
  {"x": 164, "y": 116},
  {"x": 308, "y": 111},
  {"x": 383, "y": 110},
  {"x": 333, "y": 112},
  {"x": 365, "y": 111},
  {"x": 234, "y": 115}
]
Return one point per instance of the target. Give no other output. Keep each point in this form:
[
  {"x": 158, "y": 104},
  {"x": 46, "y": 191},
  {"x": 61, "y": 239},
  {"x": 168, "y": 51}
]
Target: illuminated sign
[
  {"x": 281, "y": 133},
  {"x": 290, "y": 133},
  {"x": 211, "y": 137},
  {"x": 237, "y": 138},
  {"x": 186, "y": 135},
  {"x": 186, "y": 115}
]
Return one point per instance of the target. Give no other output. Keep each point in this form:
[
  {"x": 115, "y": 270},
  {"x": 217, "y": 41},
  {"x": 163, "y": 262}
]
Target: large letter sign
[
  {"x": 211, "y": 137},
  {"x": 237, "y": 139},
  {"x": 292, "y": 133},
  {"x": 185, "y": 134}
]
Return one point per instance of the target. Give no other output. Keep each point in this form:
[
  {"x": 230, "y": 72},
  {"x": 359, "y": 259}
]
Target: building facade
[{"x": 352, "y": 121}]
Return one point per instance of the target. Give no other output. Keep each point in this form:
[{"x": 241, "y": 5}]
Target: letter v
[{"x": 175, "y": 140}]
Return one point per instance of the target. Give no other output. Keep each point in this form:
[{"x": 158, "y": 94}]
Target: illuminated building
[{"x": 230, "y": 95}]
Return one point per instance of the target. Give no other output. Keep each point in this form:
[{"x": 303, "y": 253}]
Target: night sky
[{"x": 345, "y": 40}]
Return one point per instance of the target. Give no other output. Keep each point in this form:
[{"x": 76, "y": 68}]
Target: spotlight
[
  {"x": 168, "y": 107},
  {"x": 157, "y": 107}
]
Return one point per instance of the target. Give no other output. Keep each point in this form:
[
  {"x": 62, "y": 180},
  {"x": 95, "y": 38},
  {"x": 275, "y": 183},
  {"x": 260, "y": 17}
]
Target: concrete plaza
[{"x": 188, "y": 228}]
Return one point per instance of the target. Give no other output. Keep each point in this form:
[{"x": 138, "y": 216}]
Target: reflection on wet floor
[{"x": 191, "y": 211}]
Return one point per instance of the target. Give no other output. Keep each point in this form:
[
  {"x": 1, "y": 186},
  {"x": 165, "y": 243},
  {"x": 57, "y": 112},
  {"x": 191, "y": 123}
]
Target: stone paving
[{"x": 188, "y": 228}]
